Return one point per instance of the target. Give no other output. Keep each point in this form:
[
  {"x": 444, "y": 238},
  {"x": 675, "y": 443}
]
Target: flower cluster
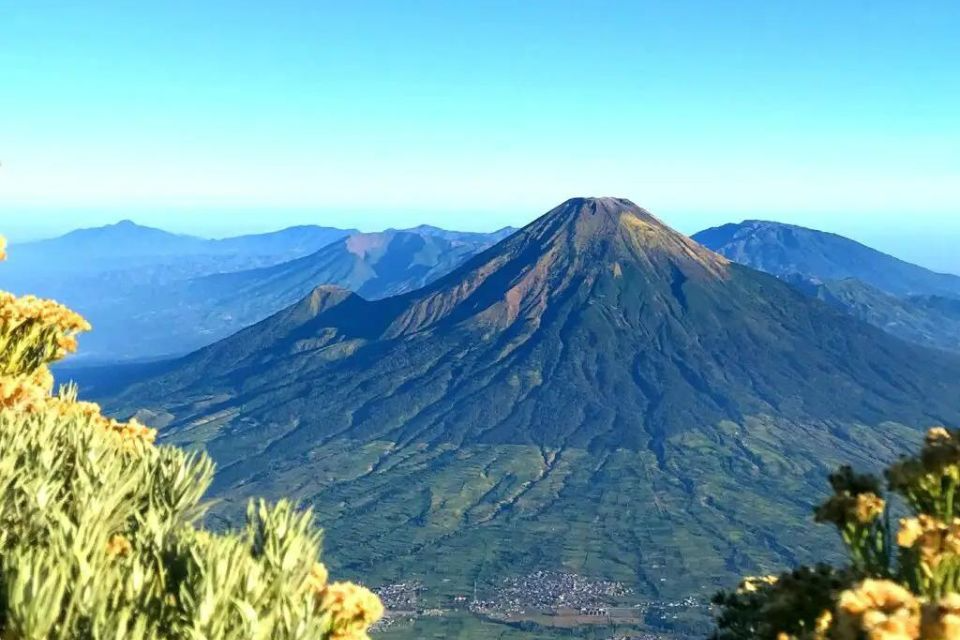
[
  {"x": 941, "y": 620},
  {"x": 901, "y": 584},
  {"x": 855, "y": 509},
  {"x": 99, "y": 533},
  {"x": 350, "y": 609},
  {"x": 885, "y": 610},
  {"x": 929, "y": 481},
  {"x": 128, "y": 431},
  {"x": 29, "y": 392},
  {"x": 119, "y": 546},
  {"x": 753, "y": 584},
  {"x": 34, "y": 333},
  {"x": 855, "y": 500},
  {"x": 933, "y": 539},
  {"x": 878, "y": 610}
]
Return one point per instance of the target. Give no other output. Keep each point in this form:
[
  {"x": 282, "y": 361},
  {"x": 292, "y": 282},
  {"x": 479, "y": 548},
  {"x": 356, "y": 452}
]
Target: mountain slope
[
  {"x": 172, "y": 318},
  {"x": 462, "y": 236},
  {"x": 286, "y": 244},
  {"x": 932, "y": 321},
  {"x": 783, "y": 250},
  {"x": 596, "y": 393},
  {"x": 200, "y": 311},
  {"x": 905, "y": 300},
  {"x": 375, "y": 265},
  {"x": 122, "y": 277}
]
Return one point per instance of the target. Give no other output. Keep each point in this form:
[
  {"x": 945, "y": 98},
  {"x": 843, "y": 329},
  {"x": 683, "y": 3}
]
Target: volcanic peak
[{"x": 619, "y": 229}]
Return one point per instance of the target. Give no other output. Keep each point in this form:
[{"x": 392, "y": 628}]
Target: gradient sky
[{"x": 218, "y": 117}]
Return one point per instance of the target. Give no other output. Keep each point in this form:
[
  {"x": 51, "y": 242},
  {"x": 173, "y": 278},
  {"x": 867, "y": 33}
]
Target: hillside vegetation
[
  {"x": 98, "y": 533},
  {"x": 928, "y": 320}
]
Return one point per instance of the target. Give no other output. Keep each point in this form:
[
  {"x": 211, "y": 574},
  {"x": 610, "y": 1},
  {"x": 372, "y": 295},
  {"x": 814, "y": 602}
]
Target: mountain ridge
[
  {"x": 785, "y": 249},
  {"x": 128, "y": 237},
  {"x": 908, "y": 301},
  {"x": 169, "y": 304}
]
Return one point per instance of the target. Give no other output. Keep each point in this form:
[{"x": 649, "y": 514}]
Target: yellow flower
[
  {"x": 868, "y": 507},
  {"x": 937, "y": 434},
  {"x": 845, "y": 508},
  {"x": 119, "y": 546},
  {"x": 132, "y": 430},
  {"x": 878, "y": 610},
  {"x": 127, "y": 433},
  {"x": 29, "y": 393},
  {"x": 317, "y": 580},
  {"x": 66, "y": 344},
  {"x": 932, "y": 537},
  {"x": 941, "y": 620},
  {"x": 823, "y": 624},
  {"x": 48, "y": 313},
  {"x": 352, "y": 609},
  {"x": 3, "y": 248},
  {"x": 754, "y": 583},
  {"x": 910, "y": 532}
]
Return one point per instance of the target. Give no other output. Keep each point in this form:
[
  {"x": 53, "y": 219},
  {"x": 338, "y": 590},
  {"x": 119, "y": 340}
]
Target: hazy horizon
[{"x": 926, "y": 240}]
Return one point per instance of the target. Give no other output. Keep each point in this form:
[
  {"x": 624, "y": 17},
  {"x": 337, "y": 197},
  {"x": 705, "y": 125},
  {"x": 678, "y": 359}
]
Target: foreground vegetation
[
  {"x": 902, "y": 581},
  {"x": 98, "y": 525}
]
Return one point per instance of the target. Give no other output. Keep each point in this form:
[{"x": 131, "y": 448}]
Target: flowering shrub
[
  {"x": 903, "y": 579},
  {"x": 98, "y": 525}
]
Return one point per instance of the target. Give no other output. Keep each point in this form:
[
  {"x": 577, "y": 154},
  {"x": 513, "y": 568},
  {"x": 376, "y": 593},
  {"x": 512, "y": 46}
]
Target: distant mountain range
[
  {"x": 119, "y": 247},
  {"x": 906, "y": 300},
  {"x": 784, "y": 250},
  {"x": 374, "y": 265},
  {"x": 595, "y": 393},
  {"x": 150, "y": 293}
]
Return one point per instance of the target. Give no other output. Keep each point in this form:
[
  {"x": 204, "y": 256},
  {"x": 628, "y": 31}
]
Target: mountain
[
  {"x": 784, "y": 250},
  {"x": 149, "y": 317},
  {"x": 118, "y": 274},
  {"x": 112, "y": 250},
  {"x": 125, "y": 239},
  {"x": 903, "y": 299},
  {"x": 375, "y": 265},
  {"x": 88, "y": 267},
  {"x": 596, "y": 394},
  {"x": 285, "y": 244},
  {"x": 182, "y": 316}
]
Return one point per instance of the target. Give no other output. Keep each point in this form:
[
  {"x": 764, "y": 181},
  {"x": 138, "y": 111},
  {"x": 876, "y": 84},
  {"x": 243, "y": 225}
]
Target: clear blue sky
[{"x": 218, "y": 116}]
